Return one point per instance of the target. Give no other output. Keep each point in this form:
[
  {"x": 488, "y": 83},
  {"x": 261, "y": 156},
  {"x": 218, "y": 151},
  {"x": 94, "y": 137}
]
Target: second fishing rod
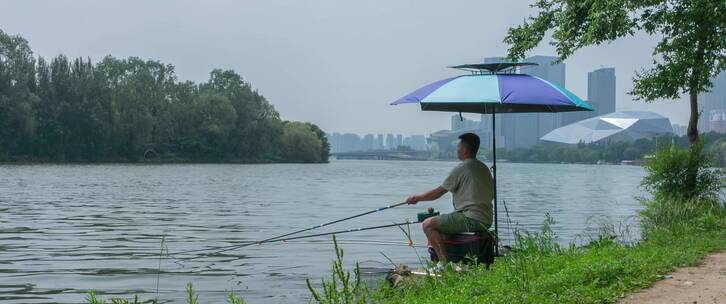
[{"x": 221, "y": 249}]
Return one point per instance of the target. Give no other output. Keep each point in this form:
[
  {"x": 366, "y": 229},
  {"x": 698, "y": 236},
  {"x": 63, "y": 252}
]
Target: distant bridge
[{"x": 386, "y": 155}]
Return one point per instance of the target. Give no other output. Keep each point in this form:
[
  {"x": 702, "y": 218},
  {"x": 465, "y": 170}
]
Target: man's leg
[{"x": 430, "y": 228}]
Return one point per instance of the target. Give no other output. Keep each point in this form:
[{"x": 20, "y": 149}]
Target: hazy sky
[{"x": 334, "y": 63}]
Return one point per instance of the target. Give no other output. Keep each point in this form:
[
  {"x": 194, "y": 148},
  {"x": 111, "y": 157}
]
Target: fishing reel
[{"x": 429, "y": 213}]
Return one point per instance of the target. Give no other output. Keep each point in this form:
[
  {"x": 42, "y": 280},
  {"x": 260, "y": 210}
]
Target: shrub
[
  {"x": 670, "y": 212},
  {"x": 340, "y": 288},
  {"x": 683, "y": 174}
]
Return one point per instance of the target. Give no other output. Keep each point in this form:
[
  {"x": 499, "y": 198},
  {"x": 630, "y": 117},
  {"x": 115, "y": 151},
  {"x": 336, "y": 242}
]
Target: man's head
[{"x": 468, "y": 146}]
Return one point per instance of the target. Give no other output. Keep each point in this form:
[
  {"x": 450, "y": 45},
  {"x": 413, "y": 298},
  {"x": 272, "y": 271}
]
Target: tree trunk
[
  {"x": 693, "y": 92},
  {"x": 693, "y": 120}
]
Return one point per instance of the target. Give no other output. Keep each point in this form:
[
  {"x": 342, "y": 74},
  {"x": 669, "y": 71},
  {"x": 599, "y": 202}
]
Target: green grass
[
  {"x": 190, "y": 298},
  {"x": 675, "y": 234}
]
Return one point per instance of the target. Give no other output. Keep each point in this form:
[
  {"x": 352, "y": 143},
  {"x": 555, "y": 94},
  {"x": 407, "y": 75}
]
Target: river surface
[{"x": 66, "y": 229}]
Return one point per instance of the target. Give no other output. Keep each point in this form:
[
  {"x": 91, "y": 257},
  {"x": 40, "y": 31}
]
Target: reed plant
[
  {"x": 190, "y": 298},
  {"x": 343, "y": 286}
]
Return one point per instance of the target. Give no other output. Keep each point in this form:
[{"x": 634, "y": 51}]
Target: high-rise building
[
  {"x": 415, "y": 142},
  {"x": 525, "y": 129},
  {"x": 679, "y": 130},
  {"x": 548, "y": 69},
  {"x": 458, "y": 123},
  {"x": 367, "y": 143},
  {"x": 399, "y": 140},
  {"x": 712, "y": 104},
  {"x": 717, "y": 121},
  {"x": 601, "y": 91},
  {"x": 336, "y": 142},
  {"x": 486, "y": 130},
  {"x": 600, "y": 94},
  {"x": 379, "y": 145},
  {"x": 351, "y": 142},
  {"x": 390, "y": 142}
]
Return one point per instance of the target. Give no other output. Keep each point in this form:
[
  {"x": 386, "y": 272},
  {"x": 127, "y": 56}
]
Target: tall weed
[{"x": 341, "y": 287}]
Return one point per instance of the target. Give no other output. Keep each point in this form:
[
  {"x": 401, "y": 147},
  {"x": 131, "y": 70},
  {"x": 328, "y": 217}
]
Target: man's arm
[{"x": 430, "y": 195}]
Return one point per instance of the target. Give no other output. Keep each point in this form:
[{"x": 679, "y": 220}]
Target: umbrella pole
[{"x": 494, "y": 169}]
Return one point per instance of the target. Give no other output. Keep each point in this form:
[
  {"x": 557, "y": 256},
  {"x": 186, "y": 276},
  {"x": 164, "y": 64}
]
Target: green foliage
[
  {"x": 91, "y": 298},
  {"x": 664, "y": 211},
  {"x": 191, "y": 297},
  {"x": 136, "y": 110},
  {"x": 612, "y": 152},
  {"x": 716, "y": 148},
  {"x": 690, "y": 51},
  {"x": 340, "y": 288},
  {"x": 543, "y": 242},
  {"x": 302, "y": 142},
  {"x": 232, "y": 299},
  {"x": 683, "y": 174}
]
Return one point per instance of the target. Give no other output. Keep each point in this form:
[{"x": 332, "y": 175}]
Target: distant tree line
[
  {"x": 612, "y": 152},
  {"x": 135, "y": 110}
]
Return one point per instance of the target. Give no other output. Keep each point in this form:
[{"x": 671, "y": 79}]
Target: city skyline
[
  {"x": 713, "y": 103},
  {"x": 349, "y": 142}
]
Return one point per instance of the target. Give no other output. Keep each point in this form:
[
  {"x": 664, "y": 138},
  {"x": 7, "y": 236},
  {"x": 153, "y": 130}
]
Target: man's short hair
[{"x": 471, "y": 140}]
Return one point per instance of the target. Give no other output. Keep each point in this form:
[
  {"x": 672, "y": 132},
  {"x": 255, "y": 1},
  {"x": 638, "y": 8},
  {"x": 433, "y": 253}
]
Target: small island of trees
[{"x": 133, "y": 110}]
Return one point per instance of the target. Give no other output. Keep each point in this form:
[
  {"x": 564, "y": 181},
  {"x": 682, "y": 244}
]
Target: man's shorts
[{"x": 456, "y": 222}]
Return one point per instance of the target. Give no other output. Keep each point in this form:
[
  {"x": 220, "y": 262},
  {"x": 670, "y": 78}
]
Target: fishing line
[
  {"x": 325, "y": 233},
  {"x": 232, "y": 247},
  {"x": 228, "y": 248}
]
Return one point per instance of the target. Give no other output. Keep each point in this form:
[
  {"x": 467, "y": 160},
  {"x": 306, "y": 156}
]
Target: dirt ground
[{"x": 705, "y": 284}]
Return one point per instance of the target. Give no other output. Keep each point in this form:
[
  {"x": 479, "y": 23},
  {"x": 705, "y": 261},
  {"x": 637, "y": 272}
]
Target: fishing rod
[
  {"x": 408, "y": 222},
  {"x": 228, "y": 248},
  {"x": 232, "y": 247}
]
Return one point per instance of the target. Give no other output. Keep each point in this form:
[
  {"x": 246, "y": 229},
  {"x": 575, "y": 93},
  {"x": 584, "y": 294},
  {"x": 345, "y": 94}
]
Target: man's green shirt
[{"x": 472, "y": 187}]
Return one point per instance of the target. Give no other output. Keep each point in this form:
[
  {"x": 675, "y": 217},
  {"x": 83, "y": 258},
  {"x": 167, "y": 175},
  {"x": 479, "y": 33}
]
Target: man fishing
[{"x": 472, "y": 188}]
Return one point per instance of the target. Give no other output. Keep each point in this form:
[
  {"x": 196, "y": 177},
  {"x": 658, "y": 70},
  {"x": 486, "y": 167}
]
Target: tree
[
  {"x": 301, "y": 143},
  {"x": 691, "y": 50},
  {"x": 17, "y": 100},
  {"x": 136, "y": 110}
]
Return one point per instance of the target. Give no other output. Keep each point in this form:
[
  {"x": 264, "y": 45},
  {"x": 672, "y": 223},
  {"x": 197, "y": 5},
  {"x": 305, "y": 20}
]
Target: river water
[{"x": 66, "y": 229}]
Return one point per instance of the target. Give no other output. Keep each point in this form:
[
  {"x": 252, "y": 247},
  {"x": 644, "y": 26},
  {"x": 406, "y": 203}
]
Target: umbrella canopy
[{"x": 495, "y": 93}]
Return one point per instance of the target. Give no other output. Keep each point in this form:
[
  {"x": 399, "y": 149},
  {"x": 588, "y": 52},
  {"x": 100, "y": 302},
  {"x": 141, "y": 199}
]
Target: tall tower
[
  {"x": 601, "y": 91},
  {"x": 713, "y": 102},
  {"x": 547, "y": 69},
  {"x": 525, "y": 129}
]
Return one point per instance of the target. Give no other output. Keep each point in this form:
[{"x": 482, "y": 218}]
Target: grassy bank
[
  {"x": 685, "y": 220},
  {"x": 540, "y": 271}
]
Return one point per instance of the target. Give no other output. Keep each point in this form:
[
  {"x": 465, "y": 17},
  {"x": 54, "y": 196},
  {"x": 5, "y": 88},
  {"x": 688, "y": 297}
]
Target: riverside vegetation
[
  {"x": 612, "y": 152},
  {"x": 684, "y": 220},
  {"x": 131, "y": 110}
]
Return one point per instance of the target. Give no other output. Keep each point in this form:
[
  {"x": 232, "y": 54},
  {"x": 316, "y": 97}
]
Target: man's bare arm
[{"x": 430, "y": 195}]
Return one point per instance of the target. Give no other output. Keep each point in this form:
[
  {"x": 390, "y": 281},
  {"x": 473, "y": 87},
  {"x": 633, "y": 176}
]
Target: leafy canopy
[{"x": 692, "y": 33}]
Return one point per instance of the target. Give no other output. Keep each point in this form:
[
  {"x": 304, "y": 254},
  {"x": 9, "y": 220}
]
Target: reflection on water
[{"x": 65, "y": 229}]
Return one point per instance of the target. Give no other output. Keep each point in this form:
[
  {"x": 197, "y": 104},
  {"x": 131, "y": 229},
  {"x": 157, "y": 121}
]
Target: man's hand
[{"x": 430, "y": 195}]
